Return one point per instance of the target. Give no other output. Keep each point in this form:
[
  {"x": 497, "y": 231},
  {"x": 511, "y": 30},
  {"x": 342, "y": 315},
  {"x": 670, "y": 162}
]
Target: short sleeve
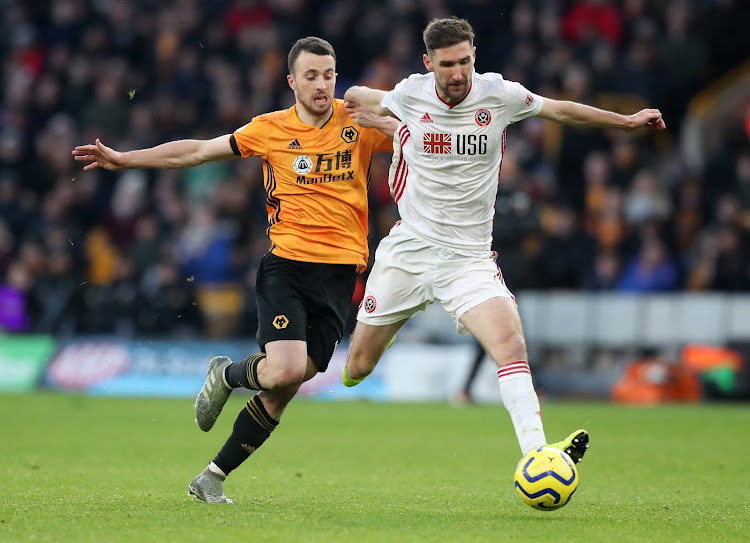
[
  {"x": 393, "y": 100},
  {"x": 521, "y": 103},
  {"x": 252, "y": 139},
  {"x": 381, "y": 143}
]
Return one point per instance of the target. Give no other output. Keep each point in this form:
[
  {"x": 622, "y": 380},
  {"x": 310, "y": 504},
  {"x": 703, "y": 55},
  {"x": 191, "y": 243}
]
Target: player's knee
[
  {"x": 284, "y": 375},
  {"x": 517, "y": 344},
  {"x": 291, "y": 376},
  {"x": 512, "y": 347}
]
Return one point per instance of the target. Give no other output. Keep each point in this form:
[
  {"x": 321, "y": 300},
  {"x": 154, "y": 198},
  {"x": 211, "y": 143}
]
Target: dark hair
[
  {"x": 442, "y": 33},
  {"x": 311, "y": 44}
]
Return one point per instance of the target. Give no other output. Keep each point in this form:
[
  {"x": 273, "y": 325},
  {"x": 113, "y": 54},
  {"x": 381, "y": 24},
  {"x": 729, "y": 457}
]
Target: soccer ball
[{"x": 546, "y": 478}]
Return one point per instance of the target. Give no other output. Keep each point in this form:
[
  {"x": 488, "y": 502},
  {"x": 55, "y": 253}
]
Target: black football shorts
[{"x": 305, "y": 301}]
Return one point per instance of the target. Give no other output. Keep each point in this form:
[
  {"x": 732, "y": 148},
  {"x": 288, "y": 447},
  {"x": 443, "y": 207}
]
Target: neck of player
[
  {"x": 313, "y": 119},
  {"x": 449, "y": 100}
]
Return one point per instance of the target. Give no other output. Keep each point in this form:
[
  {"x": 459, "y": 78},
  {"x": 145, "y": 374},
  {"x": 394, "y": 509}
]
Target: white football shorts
[{"x": 411, "y": 272}]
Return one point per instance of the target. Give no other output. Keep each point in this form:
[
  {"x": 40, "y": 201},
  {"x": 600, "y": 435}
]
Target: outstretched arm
[
  {"x": 368, "y": 98},
  {"x": 175, "y": 154},
  {"x": 576, "y": 114},
  {"x": 365, "y": 119}
]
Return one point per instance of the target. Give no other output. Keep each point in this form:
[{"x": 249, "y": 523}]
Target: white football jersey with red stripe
[{"x": 446, "y": 159}]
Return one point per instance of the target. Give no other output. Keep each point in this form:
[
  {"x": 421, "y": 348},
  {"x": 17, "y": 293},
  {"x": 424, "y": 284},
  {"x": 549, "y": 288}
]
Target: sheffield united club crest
[{"x": 483, "y": 117}]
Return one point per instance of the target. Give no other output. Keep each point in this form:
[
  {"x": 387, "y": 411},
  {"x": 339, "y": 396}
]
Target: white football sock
[
  {"x": 217, "y": 470},
  {"x": 519, "y": 398}
]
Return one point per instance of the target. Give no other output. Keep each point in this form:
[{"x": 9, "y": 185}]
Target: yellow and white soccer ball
[{"x": 546, "y": 478}]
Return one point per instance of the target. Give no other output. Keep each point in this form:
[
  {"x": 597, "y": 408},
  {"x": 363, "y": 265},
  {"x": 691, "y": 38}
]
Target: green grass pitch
[{"x": 93, "y": 469}]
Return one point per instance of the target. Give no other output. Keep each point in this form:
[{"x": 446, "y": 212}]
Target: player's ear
[
  {"x": 290, "y": 80},
  {"x": 427, "y": 62}
]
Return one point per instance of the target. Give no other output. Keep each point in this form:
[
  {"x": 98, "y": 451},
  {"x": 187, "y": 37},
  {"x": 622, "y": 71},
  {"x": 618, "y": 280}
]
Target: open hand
[{"x": 98, "y": 155}]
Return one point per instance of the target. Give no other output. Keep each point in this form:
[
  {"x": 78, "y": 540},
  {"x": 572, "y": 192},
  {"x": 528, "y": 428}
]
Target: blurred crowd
[{"x": 174, "y": 253}]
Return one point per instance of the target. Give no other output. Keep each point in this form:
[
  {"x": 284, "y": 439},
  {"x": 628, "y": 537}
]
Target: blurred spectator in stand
[
  {"x": 205, "y": 248},
  {"x": 537, "y": 173},
  {"x": 625, "y": 161},
  {"x": 207, "y": 255},
  {"x": 650, "y": 270},
  {"x": 7, "y": 247},
  {"x": 168, "y": 306},
  {"x": 14, "y": 284},
  {"x": 700, "y": 263},
  {"x": 128, "y": 200},
  {"x": 688, "y": 216},
  {"x": 242, "y": 14},
  {"x": 566, "y": 252},
  {"x": 293, "y": 18},
  {"x": 682, "y": 58},
  {"x": 12, "y": 211},
  {"x": 605, "y": 272},
  {"x": 743, "y": 186},
  {"x": 732, "y": 265},
  {"x": 576, "y": 143},
  {"x": 14, "y": 311},
  {"x": 171, "y": 204},
  {"x": 100, "y": 256},
  {"x": 613, "y": 231},
  {"x": 402, "y": 53},
  {"x": 54, "y": 295},
  {"x": 604, "y": 204},
  {"x": 521, "y": 41},
  {"x": 596, "y": 170},
  {"x": 50, "y": 162},
  {"x": 604, "y": 68},
  {"x": 147, "y": 243},
  {"x": 107, "y": 115},
  {"x": 590, "y": 20},
  {"x": 31, "y": 255},
  {"x": 111, "y": 307},
  {"x": 639, "y": 75},
  {"x": 724, "y": 24},
  {"x": 46, "y": 100},
  {"x": 728, "y": 211},
  {"x": 645, "y": 201},
  {"x": 516, "y": 221}
]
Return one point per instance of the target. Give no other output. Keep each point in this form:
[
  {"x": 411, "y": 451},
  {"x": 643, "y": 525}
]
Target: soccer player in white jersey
[{"x": 447, "y": 155}]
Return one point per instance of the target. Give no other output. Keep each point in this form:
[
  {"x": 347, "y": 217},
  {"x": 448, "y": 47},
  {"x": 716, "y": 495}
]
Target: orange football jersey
[{"x": 316, "y": 183}]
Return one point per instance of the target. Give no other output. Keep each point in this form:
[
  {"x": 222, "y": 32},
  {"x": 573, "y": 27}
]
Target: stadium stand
[{"x": 97, "y": 252}]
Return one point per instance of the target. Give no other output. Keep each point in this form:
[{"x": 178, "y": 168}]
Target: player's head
[
  {"x": 450, "y": 55},
  {"x": 312, "y": 74}
]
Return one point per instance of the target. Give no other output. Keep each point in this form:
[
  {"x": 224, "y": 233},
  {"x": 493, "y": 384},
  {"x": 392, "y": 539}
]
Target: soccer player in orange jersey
[{"x": 316, "y": 159}]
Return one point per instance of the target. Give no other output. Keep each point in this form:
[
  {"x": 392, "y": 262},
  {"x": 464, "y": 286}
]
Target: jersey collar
[
  {"x": 333, "y": 113},
  {"x": 471, "y": 85}
]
